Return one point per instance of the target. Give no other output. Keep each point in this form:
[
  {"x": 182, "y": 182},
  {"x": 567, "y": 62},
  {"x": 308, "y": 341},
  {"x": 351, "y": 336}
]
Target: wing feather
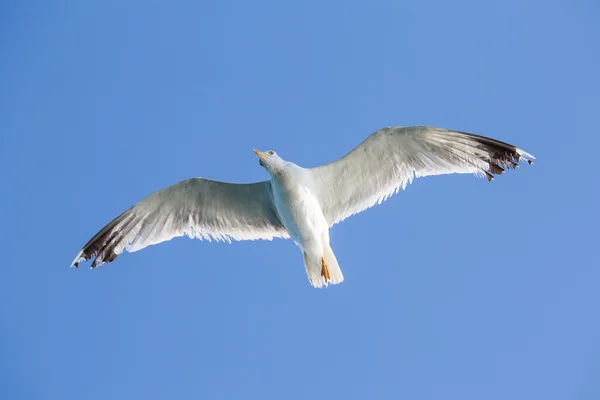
[
  {"x": 197, "y": 207},
  {"x": 391, "y": 158}
]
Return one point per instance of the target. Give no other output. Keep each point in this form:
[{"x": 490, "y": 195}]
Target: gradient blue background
[{"x": 455, "y": 289}]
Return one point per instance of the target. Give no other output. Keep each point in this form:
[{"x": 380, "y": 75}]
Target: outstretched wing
[
  {"x": 390, "y": 158},
  {"x": 197, "y": 207}
]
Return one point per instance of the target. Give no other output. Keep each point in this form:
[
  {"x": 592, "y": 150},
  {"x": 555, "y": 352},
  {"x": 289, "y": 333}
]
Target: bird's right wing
[
  {"x": 197, "y": 207},
  {"x": 390, "y": 158}
]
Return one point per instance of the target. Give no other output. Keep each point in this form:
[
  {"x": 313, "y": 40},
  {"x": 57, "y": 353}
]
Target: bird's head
[{"x": 270, "y": 161}]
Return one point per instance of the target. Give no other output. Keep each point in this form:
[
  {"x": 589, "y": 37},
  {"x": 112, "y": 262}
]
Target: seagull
[{"x": 301, "y": 203}]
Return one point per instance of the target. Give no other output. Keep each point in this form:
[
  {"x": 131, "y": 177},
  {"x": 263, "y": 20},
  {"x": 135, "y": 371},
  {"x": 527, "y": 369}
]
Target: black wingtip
[
  {"x": 496, "y": 169},
  {"x": 102, "y": 246},
  {"x": 489, "y": 176}
]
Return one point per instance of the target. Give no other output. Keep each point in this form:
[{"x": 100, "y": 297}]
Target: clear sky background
[{"x": 455, "y": 288}]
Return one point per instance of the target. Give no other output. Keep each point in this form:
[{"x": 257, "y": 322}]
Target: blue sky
[{"x": 455, "y": 288}]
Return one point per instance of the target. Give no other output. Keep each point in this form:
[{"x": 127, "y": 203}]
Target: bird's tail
[{"x": 324, "y": 271}]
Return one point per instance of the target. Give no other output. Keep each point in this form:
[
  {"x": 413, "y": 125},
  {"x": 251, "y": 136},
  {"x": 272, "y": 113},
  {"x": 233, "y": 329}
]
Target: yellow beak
[{"x": 260, "y": 154}]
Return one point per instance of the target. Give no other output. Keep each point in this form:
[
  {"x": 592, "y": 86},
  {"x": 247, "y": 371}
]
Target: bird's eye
[{"x": 271, "y": 152}]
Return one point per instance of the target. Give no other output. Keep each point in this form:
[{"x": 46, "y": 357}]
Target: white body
[{"x": 300, "y": 212}]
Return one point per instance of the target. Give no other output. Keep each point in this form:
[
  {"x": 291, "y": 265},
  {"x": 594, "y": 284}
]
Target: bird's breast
[{"x": 299, "y": 211}]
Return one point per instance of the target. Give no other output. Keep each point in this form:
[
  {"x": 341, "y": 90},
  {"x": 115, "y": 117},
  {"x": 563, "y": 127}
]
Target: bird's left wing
[
  {"x": 197, "y": 207},
  {"x": 390, "y": 158}
]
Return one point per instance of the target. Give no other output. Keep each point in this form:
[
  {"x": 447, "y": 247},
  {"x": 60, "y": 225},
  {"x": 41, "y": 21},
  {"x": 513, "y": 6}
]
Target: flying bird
[{"x": 301, "y": 203}]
